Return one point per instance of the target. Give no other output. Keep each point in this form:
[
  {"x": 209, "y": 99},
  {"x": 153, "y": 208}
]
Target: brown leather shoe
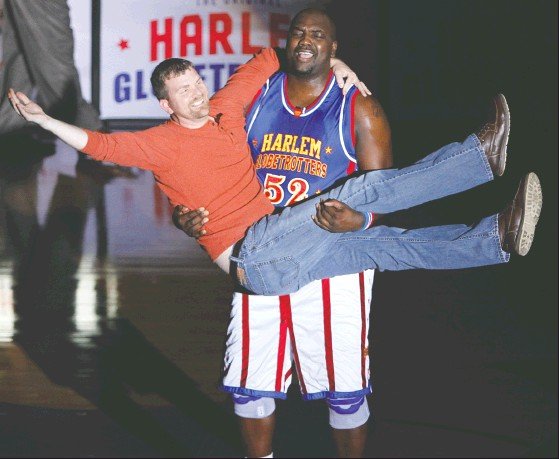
[
  {"x": 494, "y": 135},
  {"x": 517, "y": 223}
]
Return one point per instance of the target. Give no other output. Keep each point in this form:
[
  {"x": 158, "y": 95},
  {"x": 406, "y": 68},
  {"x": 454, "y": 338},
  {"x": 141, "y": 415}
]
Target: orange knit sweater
[{"x": 209, "y": 167}]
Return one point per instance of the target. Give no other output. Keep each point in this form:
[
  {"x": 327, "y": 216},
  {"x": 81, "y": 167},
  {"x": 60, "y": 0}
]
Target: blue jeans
[{"x": 282, "y": 252}]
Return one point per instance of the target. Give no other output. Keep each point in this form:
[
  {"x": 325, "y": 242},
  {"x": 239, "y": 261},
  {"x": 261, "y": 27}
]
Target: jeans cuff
[
  {"x": 504, "y": 257},
  {"x": 475, "y": 139}
]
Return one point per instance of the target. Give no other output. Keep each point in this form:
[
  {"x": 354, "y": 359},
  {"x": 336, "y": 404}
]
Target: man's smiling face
[{"x": 187, "y": 97}]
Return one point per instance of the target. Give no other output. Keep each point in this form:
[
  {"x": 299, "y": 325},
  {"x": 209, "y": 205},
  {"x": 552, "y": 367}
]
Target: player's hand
[
  {"x": 335, "y": 216},
  {"x": 26, "y": 108},
  {"x": 191, "y": 221},
  {"x": 346, "y": 78}
]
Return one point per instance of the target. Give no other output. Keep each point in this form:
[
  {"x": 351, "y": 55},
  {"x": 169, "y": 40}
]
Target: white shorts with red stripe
[{"x": 323, "y": 328}]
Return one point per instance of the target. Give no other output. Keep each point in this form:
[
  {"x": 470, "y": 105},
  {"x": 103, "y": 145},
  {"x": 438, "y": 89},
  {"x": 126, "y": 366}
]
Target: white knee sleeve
[
  {"x": 247, "y": 406},
  {"x": 348, "y": 413}
]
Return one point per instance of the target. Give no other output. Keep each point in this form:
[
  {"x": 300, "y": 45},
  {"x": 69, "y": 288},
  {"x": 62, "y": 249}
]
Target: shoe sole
[
  {"x": 503, "y": 154},
  {"x": 533, "y": 199}
]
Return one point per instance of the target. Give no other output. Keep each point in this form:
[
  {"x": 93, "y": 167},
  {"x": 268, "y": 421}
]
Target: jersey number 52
[{"x": 297, "y": 188}]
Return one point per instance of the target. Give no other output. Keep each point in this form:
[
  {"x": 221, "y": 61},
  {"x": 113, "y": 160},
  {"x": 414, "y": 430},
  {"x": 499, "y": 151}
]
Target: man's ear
[
  {"x": 334, "y": 49},
  {"x": 164, "y": 104}
]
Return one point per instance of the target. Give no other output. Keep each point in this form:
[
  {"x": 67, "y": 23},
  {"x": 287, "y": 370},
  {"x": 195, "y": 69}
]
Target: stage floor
[{"x": 112, "y": 326}]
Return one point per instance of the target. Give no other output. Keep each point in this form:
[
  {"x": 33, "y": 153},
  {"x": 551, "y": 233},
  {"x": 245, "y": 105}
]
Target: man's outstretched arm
[
  {"x": 72, "y": 135},
  {"x": 122, "y": 148}
]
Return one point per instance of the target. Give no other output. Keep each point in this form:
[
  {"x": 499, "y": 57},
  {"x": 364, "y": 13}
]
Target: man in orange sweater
[{"x": 200, "y": 159}]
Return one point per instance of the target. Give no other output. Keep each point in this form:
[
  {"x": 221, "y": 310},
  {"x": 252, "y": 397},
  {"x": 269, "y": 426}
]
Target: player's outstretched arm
[{"x": 33, "y": 112}]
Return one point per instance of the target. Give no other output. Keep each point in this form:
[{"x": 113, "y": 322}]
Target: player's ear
[{"x": 334, "y": 49}]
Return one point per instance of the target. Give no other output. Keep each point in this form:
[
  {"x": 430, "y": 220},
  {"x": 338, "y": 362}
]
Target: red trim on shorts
[
  {"x": 285, "y": 306},
  {"x": 288, "y": 373},
  {"x": 327, "y": 307},
  {"x": 363, "y": 327},
  {"x": 289, "y": 320},
  {"x": 246, "y": 341}
]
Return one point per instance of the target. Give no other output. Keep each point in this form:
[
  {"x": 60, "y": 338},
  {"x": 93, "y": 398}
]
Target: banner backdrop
[{"x": 216, "y": 35}]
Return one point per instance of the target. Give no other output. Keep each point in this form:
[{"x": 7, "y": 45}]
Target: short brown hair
[{"x": 167, "y": 69}]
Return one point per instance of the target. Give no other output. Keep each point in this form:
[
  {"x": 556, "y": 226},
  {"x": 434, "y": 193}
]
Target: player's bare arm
[
  {"x": 372, "y": 133},
  {"x": 373, "y": 150}
]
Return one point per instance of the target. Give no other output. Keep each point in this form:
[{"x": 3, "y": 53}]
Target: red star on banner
[{"x": 123, "y": 44}]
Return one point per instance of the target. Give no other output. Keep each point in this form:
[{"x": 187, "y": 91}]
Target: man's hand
[
  {"x": 346, "y": 78},
  {"x": 26, "y": 108},
  {"x": 191, "y": 221},
  {"x": 74, "y": 136},
  {"x": 337, "y": 217}
]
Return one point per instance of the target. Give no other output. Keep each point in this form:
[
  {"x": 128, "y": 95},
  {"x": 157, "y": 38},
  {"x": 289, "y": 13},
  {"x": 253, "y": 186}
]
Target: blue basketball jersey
[{"x": 300, "y": 152}]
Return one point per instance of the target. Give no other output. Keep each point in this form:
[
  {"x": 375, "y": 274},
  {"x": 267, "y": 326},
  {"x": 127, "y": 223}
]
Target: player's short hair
[{"x": 166, "y": 69}]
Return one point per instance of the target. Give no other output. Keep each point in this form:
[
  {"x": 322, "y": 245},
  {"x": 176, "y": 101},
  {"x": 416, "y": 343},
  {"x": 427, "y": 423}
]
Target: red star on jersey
[{"x": 123, "y": 44}]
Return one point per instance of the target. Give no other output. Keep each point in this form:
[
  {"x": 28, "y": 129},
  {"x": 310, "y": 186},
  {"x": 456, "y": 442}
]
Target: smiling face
[
  {"x": 187, "y": 99},
  {"x": 310, "y": 43}
]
